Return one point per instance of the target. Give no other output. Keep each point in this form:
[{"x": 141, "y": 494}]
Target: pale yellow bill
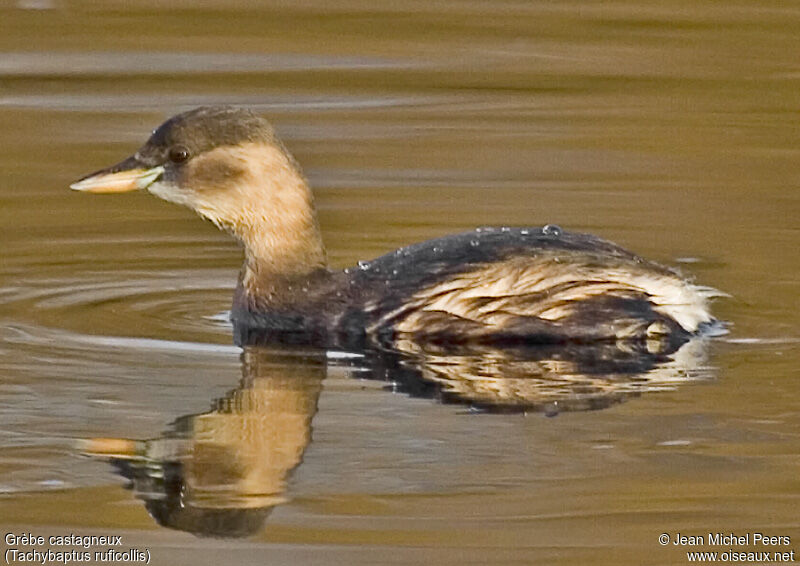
[
  {"x": 113, "y": 447},
  {"x": 119, "y": 182}
]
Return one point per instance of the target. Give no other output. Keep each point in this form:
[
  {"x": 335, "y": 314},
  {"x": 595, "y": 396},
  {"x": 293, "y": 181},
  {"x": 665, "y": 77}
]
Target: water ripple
[
  {"x": 146, "y": 305},
  {"x": 35, "y": 64}
]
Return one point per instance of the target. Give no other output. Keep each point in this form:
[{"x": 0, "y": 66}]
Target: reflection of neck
[{"x": 244, "y": 449}]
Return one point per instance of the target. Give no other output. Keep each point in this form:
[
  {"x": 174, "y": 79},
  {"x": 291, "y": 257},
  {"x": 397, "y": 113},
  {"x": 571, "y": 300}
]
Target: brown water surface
[{"x": 668, "y": 127}]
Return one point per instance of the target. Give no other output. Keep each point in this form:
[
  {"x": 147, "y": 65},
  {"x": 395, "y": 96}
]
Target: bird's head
[{"x": 226, "y": 164}]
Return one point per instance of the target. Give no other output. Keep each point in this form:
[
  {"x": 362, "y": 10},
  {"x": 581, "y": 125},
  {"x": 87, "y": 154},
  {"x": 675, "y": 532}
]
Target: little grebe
[{"x": 499, "y": 285}]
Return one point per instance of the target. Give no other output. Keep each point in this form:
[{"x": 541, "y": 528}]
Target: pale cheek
[{"x": 169, "y": 192}]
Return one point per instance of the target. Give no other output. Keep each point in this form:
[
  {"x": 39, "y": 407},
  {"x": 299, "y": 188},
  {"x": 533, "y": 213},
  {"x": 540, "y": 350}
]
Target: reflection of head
[
  {"x": 220, "y": 473},
  {"x": 165, "y": 503}
]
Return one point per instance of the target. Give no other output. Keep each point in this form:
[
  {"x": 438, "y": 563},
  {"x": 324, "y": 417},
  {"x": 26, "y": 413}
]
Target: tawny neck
[
  {"x": 284, "y": 241},
  {"x": 279, "y": 231},
  {"x": 266, "y": 204}
]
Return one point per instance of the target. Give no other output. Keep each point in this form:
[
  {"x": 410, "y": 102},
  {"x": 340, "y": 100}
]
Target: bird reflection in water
[{"x": 220, "y": 473}]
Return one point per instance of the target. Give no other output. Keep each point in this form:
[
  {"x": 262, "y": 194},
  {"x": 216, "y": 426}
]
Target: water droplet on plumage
[
  {"x": 552, "y": 230},
  {"x": 551, "y": 409}
]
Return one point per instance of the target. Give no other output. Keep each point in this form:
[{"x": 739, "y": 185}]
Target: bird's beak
[{"x": 128, "y": 175}]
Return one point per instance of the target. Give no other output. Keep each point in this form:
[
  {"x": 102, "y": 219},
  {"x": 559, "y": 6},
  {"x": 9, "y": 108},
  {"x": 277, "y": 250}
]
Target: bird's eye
[{"x": 178, "y": 154}]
